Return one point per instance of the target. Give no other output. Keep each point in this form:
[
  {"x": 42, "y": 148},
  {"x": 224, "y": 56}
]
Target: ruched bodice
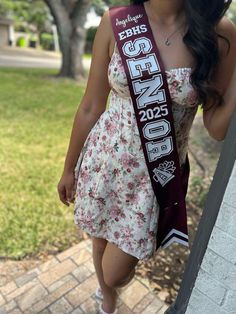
[{"x": 181, "y": 90}]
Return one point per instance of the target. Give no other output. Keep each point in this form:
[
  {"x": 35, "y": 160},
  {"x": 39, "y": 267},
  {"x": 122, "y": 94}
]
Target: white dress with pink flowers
[{"x": 114, "y": 198}]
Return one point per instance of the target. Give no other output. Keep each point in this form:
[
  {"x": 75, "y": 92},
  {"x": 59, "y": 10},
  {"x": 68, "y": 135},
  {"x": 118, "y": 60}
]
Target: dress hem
[{"x": 116, "y": 243}]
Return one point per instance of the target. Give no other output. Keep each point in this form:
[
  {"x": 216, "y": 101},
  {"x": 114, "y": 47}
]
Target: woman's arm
[
  {"x": 94, "y": 100},
  {"x": 92, "y": 105},
  {"x": 217, "y": 119}
]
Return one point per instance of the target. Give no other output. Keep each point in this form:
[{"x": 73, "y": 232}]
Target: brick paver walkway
[{"x": 66, "y": 284}]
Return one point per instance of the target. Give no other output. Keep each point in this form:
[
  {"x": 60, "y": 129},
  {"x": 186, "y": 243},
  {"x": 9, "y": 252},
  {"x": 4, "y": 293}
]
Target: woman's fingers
[
  {"x": 70, "y": 192},
  {"x": 62, "y": 195},
  {"x": 72, "y": 196},
  {"x": 66, "y": 189}
]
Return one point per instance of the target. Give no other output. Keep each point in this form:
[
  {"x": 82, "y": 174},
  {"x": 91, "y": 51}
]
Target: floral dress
[{"x": 114, "y": 198}]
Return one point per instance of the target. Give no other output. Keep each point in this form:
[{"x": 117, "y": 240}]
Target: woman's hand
[{"x": 66, "y": 188}]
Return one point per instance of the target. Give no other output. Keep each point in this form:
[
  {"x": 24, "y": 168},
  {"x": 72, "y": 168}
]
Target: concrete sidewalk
[
  {"x": 32, "y": 58},
  {"x": 66, "y": 284},
  {"x": 28, "y": 52}
]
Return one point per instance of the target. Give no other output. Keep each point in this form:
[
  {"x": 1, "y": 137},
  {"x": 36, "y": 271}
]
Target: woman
[{"x": 109, "y": 183}]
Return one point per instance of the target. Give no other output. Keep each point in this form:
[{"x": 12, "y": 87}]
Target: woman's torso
[{"x": 121, "y": 113}]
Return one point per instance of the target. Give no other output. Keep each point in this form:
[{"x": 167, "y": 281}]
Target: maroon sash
[{"x": 152, "y": 106}]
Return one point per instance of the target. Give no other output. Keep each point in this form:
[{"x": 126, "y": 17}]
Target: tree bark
[{"x": 70, "y": 17}]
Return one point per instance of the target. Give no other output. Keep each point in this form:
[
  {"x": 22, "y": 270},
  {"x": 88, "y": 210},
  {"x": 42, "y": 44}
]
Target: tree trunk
[
  {"x": 76, "y": 52},
  {"x": 70, "y": 18},
  {"x": 64, "y": 35},
  {"x": 78, "y": 37}
]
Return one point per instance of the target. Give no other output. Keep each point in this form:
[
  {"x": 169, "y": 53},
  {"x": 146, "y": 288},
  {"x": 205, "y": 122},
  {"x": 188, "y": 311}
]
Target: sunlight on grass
[
  {"x": 36, "y": 113},
  {"x": 87, "y": 56},
  {"x": 199, "y": 110}
]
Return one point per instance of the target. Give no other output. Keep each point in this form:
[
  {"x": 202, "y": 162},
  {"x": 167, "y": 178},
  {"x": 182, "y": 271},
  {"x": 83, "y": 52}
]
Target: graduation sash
[{"x": 152, "y": 106}]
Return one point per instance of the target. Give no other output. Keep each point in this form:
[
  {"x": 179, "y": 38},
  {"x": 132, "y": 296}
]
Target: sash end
[
  {"x": 174, "y": 236},
  {"x": 175, "y": 239}
]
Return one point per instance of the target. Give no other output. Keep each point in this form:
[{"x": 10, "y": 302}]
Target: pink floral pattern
[{"x": 114, "y": 198}]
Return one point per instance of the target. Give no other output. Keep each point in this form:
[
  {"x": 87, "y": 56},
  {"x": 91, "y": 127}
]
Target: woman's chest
[
  {"x": 178, "y": 78},
  {"x": 175, "y": 54}
]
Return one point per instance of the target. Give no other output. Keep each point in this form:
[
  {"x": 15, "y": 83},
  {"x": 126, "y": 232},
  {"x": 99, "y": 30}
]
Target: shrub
[
  {"x": 21, "y": 42},
  {"x": 46, "y": 41}
]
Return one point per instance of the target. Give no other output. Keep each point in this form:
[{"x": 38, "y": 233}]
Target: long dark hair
[{"x": 202, "y": 41}]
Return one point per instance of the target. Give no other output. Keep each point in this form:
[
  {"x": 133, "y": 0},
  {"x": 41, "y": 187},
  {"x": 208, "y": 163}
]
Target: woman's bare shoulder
[
  {"x": 227, "y": 29},
  {"x": 225, "y": 25},
  {"x": 105, "y": 24},
  {"x": 109, "y": 30}
]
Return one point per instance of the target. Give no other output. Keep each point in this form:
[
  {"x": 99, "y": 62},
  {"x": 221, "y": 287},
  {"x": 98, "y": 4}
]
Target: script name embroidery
[{"x": 129, "y": 19}]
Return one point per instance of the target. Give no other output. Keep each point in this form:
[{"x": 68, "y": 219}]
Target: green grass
[
  {"x": 199, "y": 110},
  {"x": 36, "y": 116},
  {"x": 87, "y": 56}
]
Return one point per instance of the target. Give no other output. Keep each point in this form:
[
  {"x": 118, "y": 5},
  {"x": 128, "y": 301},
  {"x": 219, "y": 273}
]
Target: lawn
[
  {"x": 36, "y": 116},
  {"x": 87, "y": 55}
]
